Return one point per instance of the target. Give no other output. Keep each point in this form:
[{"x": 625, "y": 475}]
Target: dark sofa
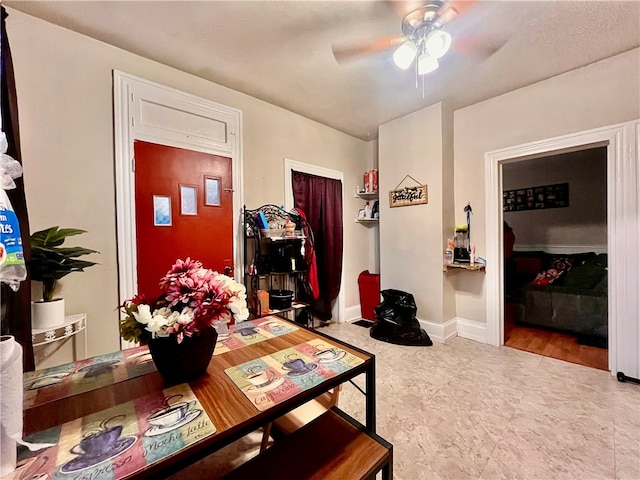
[{"x": 576, "y": 302}]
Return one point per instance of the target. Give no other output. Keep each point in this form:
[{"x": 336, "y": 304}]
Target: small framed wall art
[
  {"x": 161, "y": 211},
  {"x": 415, "y": 195},
  {"x": 188, "y": 200},
  {"x": 408, "y": 196},
  {"x": 212, "y": 191}
]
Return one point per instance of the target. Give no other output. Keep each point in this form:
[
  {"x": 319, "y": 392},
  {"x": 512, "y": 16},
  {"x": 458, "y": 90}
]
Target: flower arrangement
[{"x": 194, "y": 298}]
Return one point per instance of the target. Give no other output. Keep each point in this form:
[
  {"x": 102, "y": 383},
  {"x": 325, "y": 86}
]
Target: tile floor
[{"x": 466, "y": 410}]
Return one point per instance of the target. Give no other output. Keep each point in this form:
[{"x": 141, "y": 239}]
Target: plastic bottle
[
  {"x": 448, "y": 253},
  {"x": 12, "y": 267},
  {"x": 375, "y": 213},
  {"x": 367, "y": 210}
]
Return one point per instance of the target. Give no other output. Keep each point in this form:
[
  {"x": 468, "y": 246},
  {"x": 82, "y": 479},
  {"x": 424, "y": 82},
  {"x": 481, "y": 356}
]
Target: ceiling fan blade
[
  {"x": 452, "y": 9},
  {"x": 347, "y": 53}
]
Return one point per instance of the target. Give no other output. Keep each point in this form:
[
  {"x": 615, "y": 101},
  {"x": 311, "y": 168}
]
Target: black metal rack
[{"x": 272, "y": 258}]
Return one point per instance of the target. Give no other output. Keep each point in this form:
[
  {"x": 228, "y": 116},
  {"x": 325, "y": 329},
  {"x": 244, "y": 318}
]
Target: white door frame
[
  {"x": 149, "y": 111},
  {"x": 338, "y": 310},
  {"x": 623, "y": 232}
]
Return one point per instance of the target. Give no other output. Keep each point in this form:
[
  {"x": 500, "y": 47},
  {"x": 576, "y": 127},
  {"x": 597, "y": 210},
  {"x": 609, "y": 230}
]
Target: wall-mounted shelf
[
  {"x": 367, "y": 195},
  {"x": 475, "y": 267}
]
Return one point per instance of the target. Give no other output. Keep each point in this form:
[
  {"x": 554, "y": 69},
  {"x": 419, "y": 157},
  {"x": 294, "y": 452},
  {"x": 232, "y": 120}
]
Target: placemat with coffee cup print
[
  {"x": 274, "y": 378},
  {"x": 119, "y": 441},
  {"x": 43, "y": 386},
  {"x": 254, "y": 331}
]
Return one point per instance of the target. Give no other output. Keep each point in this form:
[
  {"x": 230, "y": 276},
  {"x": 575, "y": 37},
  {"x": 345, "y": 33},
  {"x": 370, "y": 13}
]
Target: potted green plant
[{"x": 49, "y": 262}]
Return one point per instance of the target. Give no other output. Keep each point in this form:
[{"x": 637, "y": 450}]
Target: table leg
[
  {"x": 387, "y": 471},
  {"x": 371, "y": 396}
]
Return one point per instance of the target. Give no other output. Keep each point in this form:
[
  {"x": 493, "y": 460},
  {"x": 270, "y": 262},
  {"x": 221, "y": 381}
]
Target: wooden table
[{"x": 228, "y": 408}]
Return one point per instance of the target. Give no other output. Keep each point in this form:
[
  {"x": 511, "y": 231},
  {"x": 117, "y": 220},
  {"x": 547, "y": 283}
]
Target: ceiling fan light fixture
[
  {"x": 427, "y": 64},
  {"x": 404, "y": 54},
  {"x": 437, "y": 43}
]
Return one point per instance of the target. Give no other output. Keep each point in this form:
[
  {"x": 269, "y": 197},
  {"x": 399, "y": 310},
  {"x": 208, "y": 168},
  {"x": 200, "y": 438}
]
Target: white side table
[{"x": 73, "y": 324}]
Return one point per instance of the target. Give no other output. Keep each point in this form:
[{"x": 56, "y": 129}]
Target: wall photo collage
[{"x": 536, "y": 198}]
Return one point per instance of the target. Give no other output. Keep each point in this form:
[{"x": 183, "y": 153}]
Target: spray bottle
[{"x": 12, "y": 266}]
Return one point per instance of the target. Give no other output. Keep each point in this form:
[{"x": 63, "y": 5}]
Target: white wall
[
  {"x": 600, "y": 94},
  {"x": 584, "y": 222},
  {"x": 448, "y": 212},
  {"x": 411, "y": 237},
  {"x": 374, "y": 232},
  {"x": 64, "y": 88}
]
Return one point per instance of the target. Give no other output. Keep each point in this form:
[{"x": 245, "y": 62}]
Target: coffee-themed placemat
[
  {"x": 43, "y": 386},
  {"x": 254, "y": 331},
  {"x": 274, "y": 378},
  {"x": 119, "y": 441}
]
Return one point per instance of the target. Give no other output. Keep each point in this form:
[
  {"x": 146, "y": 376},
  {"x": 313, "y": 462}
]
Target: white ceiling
[{"x": 280, "y": 51}]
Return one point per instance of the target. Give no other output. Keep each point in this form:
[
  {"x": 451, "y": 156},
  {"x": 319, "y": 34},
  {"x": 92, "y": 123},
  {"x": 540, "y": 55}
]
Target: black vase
[{"x": 184, "y": 361}]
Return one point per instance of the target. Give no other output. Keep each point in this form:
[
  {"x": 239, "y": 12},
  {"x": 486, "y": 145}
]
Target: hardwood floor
[{"x": 555, "y": 345}]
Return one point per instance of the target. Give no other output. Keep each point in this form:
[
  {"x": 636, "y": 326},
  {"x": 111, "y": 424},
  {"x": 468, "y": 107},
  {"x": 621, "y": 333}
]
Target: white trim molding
[
  {"x": 440, "y": 332},
  {"x": 623, "y": 234},
  {"x": 560, "y": 249},
  {"x": 148, "y": 111},
  {"x": 289, "y": 166},
  {"x": 353, "y": 313},
  {"x": 472, "y": 329}
]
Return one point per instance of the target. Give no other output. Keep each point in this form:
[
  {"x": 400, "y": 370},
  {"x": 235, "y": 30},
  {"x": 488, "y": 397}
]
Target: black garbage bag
[{"x": 396, "y": 320}]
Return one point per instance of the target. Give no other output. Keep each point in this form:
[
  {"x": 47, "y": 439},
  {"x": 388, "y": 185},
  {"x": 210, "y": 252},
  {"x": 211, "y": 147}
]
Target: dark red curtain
[
  {"x": 16, "y": 306},
  {"x": 320, "y": 199}
]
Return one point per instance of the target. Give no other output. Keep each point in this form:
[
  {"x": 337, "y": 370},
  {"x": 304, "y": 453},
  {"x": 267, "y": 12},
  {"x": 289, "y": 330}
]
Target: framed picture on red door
[
  {"x": 188, "y": 199},
  {"x": 212, "y": 191},
  {"x": 161, "y": 211}
]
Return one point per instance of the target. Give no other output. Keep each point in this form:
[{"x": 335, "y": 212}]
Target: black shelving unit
[{"x": 273, "y": 260}]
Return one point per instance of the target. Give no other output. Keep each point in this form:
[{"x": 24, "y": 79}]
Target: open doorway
[
  {"x": 623, "y": 229},
  {"x": 290, "y": 166},
  {"x": 555, "y": 275}
]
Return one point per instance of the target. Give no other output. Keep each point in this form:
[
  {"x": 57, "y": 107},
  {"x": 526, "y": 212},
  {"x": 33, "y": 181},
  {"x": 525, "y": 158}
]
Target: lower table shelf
[{"x": 333, "y": 446}]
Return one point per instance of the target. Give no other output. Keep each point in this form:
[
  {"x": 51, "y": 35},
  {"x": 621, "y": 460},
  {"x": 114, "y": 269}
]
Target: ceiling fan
[{"x": 422, "y": 38}]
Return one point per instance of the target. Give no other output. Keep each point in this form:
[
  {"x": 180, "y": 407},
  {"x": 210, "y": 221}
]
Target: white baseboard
[
  {"x": 440, "y": 332},
  {"x": 351, "y": 314},
  {"x": 472, "y": 329},
  {"x": 560, "y": 249}
]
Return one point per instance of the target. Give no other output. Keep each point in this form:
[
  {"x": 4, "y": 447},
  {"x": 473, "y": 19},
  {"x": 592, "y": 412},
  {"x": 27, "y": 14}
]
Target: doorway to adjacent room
[
  {"x": 623, "y": 229},
  {"x": 555, "y": 289}
]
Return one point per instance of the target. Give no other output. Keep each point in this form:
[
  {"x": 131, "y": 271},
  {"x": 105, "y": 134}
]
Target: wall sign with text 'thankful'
[{"x": 408, "y": 196}]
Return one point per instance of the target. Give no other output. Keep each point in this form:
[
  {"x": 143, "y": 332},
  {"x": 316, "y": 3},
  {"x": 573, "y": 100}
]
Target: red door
[{"x": 184, "y": 208}]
